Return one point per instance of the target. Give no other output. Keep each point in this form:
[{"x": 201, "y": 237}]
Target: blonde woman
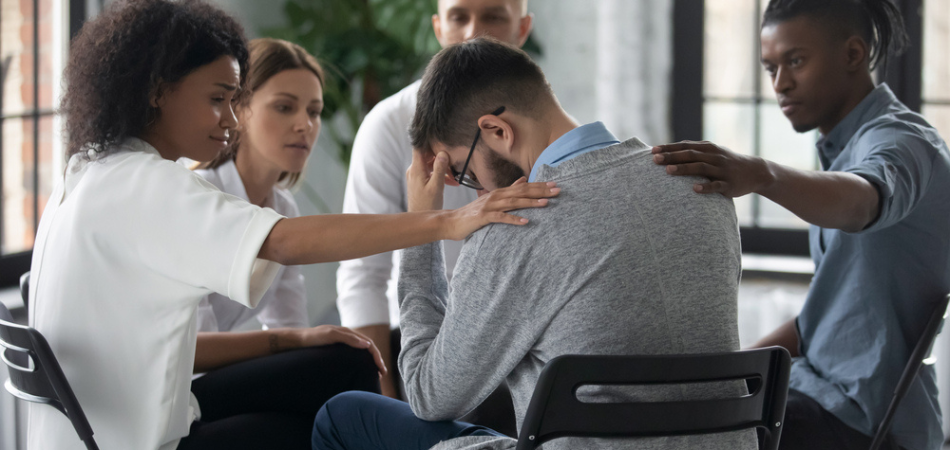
[{"x": 253, "y": 379}]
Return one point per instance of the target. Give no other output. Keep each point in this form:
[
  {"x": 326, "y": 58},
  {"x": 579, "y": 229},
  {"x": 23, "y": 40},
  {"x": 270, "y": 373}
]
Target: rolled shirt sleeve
[
  {"x": 193, "y": 228},
  {"x": 898, "y": 161}
]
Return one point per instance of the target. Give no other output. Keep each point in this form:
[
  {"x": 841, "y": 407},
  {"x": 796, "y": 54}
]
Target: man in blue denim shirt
[{"x": 880, "y": 215}]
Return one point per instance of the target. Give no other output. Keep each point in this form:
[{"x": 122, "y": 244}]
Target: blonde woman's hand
[{"x": 332, "y": 334}]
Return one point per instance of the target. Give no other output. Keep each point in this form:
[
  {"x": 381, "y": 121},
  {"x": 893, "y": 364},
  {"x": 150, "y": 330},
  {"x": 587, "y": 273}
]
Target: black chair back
[
  {"x": 918, "y": 358},
  {"x": 35, "y": 375},
  {"x": 555, "y": 410}
]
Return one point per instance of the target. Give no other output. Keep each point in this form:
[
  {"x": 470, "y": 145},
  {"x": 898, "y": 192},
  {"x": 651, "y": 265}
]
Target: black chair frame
[
  {"x": 35, "y": 375},
  {"x": 912, "y": 369},
  {"x": 555, "y": 410}
]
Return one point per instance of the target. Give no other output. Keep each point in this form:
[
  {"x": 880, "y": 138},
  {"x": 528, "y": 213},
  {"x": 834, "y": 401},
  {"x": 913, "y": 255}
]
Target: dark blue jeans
[{"x": 365, "y": 421}]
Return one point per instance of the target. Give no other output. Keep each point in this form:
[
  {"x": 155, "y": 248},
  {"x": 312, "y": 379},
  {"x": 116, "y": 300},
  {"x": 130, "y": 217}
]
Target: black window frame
[
  {"x": 686, "y": 112},
  {"x": 14, "y": 264}
]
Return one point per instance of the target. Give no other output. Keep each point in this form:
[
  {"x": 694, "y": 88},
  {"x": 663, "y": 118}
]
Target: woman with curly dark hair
[{"x": 130, "y": 241}]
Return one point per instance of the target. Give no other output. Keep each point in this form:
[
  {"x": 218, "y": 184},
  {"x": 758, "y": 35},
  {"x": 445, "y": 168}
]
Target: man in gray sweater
[{"x": 627, "y": 260}]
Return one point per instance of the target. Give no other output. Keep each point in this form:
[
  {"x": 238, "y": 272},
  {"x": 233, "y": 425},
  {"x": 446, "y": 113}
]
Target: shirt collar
[
  {"x": 873, "y": 105},
  {"x": 580, "y": 140},
  {"x": 138, "y": 145},
  {"x": 233, "y": 184},
  {"x": 231, "y": 180}
]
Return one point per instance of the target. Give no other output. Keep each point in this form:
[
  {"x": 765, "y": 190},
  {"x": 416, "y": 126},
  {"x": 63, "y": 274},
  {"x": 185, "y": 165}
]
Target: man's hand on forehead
[{"x": 428, "y": 158}]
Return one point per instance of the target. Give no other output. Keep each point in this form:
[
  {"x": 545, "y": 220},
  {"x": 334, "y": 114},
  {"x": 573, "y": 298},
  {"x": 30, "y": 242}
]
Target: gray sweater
[{"x": 628, "y": 260}]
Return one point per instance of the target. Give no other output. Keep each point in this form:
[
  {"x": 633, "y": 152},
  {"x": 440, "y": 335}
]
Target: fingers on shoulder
[
  {"x": 712, "y": 187},
  {"x": 511, "y": 219}
]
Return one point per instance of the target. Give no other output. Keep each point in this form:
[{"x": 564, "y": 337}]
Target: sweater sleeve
[{"x": 457, "y": 348}]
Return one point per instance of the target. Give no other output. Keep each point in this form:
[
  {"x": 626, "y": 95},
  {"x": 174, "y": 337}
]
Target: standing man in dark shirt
[{"x": 879, "y": 215}]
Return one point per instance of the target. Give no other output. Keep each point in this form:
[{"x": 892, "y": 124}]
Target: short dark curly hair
[
  {"x": 468, "y": 80},
  {"x": 132, "y": 51}
]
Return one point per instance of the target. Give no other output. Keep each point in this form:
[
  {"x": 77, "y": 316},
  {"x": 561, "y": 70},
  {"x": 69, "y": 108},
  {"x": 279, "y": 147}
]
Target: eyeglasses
[{"x": 463, "y": 177}]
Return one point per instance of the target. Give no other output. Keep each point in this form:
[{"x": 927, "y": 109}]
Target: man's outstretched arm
[{"x": 839, "y": 200}]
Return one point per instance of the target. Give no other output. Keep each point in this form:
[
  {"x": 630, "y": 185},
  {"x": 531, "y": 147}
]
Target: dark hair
[
  {"x": 131, "y": 52},
  {"x": 468, "y": 80},
  {"x": 878, "y": 22},
  {"x": 268, "y": 58}
]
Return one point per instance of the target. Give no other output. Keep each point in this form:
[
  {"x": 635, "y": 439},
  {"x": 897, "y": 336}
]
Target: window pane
[
  {"x": 936, "y": 71},
  {"x": 17, "y": 212},
  {"x": 18, "y": 200},
  {"x": 771, "y": 215},
  {"x": 16, "y": 52},
  {"x": 728, "y": 125},
  {"x": 939, "y": 117},
  {"x": 779, "y": 142},
  {"x": 731, "y": 49},
  {"x": 22, "y": 195}
]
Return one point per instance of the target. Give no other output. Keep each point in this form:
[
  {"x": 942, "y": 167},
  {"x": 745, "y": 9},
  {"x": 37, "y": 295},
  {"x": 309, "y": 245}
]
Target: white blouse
[
  {"x": 127, "y": 247},
  {"x": 284, "y": 305}
]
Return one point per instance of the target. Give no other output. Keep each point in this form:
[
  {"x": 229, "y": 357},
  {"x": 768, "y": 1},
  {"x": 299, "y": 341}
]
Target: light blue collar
[
  {"x": 583, "y": 139},
  {"x": 873, "y": 105}
]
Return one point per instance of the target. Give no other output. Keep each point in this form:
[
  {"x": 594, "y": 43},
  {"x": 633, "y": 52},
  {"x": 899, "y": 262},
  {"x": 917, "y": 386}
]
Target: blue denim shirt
[
  {"x": 874, "y": 290},
  {"x": 583, "y": 139}
]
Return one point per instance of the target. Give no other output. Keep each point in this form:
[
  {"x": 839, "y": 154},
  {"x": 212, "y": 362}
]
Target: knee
[
  {"x": 364, "y": 372},
  {"x": 339, "y": 417},
  {"x": 355, "y": 368},
  {"x": 322, "y": 437}
]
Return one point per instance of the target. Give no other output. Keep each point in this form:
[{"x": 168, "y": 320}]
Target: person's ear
[
  {"x": 524, "y": 28},
  {"x": 155, "y": 97},
  {"x": 437, "y": 27},
  {"x": 497, "y": 133},
  {"x": 857, "y": 54}
]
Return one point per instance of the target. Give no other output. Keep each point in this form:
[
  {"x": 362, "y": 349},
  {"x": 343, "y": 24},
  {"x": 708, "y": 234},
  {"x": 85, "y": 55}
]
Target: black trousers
[
  {"x": 808, "y": 426},
  {"x": 271, "y": 402}
]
